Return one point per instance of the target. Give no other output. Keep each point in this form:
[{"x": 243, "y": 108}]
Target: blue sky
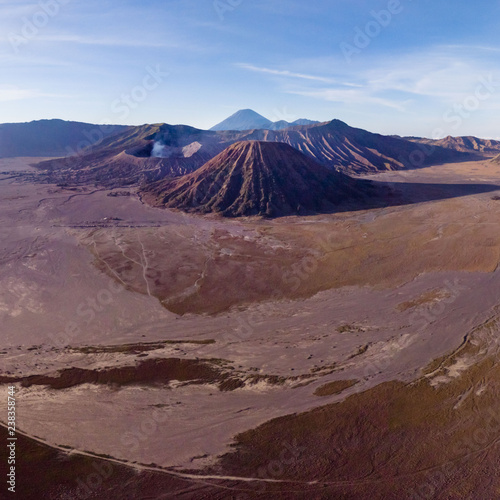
[{"x": 407, "y": 67}]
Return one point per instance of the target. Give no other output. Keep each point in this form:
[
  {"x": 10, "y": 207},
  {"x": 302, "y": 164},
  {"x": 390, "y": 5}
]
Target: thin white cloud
[
  {"x": 440, "y": 76},
  {"x": 291, "y": 74},
  {"x": 10, "y": 93},
  {"x": 461, "y": 47},
  {"x": 13, "y": 10},
  {"x": 112, "y": 42},
  {"x": 8, "y": 59},
  {"x": 443, "y": 77},
  {"x": 278, "y": 72},
  {"x": 350, "y": 96}
]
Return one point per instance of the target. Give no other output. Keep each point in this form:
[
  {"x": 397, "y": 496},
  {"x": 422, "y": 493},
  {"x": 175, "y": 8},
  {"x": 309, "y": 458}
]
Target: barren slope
[
  {"x": 102, "y": 369},
  {"x": 258, "y": 178},
  {"x": 465, "y": 144},
  {"x": 154, "y": 152},
  {"x": 131, "y": 157}
]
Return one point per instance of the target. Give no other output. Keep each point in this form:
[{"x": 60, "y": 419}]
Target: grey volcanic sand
[{"x": 54, "y": 300}]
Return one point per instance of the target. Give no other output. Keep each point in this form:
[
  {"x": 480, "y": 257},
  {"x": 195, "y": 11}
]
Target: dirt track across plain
[{"x": 96, "y": 282}]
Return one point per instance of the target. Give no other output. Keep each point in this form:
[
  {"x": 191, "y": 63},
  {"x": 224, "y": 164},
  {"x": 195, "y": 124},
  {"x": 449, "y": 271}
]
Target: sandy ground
[{"x": 371, "y": 296}]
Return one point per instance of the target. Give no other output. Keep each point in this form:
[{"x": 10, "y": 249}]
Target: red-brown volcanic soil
[
  {"x": 259, "y": 178},
  {"x": 350, "y": 355}
]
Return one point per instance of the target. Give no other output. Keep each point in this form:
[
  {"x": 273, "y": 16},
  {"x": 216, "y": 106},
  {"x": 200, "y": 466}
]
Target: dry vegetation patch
[
  {"x": 202, "y": 270},
  {"x": 333, "y": 388}
]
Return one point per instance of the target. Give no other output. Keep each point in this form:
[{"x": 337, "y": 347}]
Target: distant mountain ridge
[
  {"x": 153, "y": 152},
  {"x": 356, "y": 151},
  {"x": 464, "y": 144},
  {"x": 139, "y": 154},
  {"x": 247, "y": 119},
  {"x": 51, "y": 137}
]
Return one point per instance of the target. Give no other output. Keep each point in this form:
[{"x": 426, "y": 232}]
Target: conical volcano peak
[
  {"x": 248, "y": 119},
  {"x": 258, "y": 178}
]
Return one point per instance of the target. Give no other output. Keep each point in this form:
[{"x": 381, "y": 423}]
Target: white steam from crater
[
  {"x": 158, "y": 150},
  {"x": 161, "y": 151}
]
